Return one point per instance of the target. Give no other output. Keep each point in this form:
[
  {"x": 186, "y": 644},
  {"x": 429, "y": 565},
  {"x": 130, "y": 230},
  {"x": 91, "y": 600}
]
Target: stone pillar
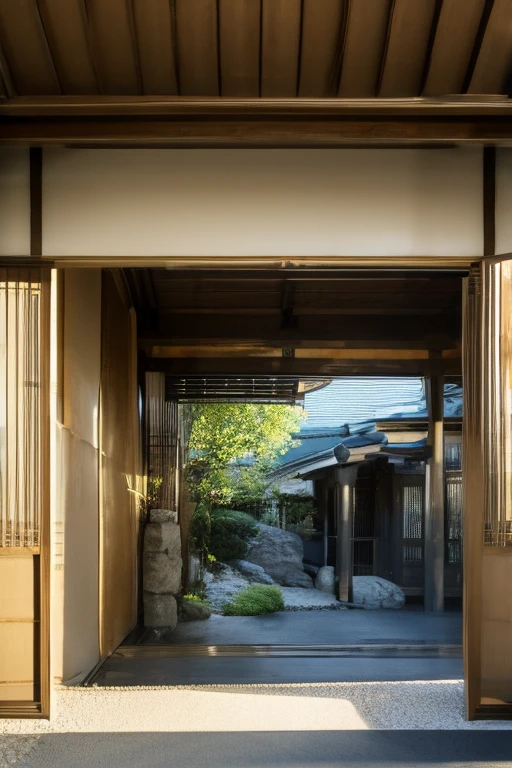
[{"x": 161, "y": 569}]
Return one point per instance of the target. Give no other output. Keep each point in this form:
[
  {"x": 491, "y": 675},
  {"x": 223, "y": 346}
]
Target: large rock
[
  {"x": 162, "y": 566},
  {"x": 373, "y": 593},
  {"x": 325, "y": 579},
  {"x": 193, "y": 610},
  {"x": 160, "y": 611},
  {"x": 280, "y": 554},
  {"x": 223, "y": 585},
  {"x": 252, "y": 572},
  {"x": 163, "y": 537},
  {"x": 163, "y": 516},
  {"x": 161, "y": 573}
]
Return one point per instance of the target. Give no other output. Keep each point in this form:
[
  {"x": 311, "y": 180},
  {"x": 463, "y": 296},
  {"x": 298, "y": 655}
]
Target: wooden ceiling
[
  {"x": 316, "y": 324},
  {"x": 255, "y": 48}
]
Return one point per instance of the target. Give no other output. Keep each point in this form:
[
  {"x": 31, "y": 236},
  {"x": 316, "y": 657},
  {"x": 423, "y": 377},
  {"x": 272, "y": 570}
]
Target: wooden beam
[
  {"x": 36, "y": 201},
  {"x": 489, "y": 200},
  {"x": 252, "y": 123},
  {"x": 291, "y": 366},
  {"x": 148, "y": 341},
  {"x": 434, "y": 498}
]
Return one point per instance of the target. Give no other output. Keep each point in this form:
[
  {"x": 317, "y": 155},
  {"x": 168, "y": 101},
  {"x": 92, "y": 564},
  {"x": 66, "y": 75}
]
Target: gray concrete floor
[
  {"x": 314, "y": 627},
  {"x": 118, "y": 671},
  {"x": 359, "y": 749}
]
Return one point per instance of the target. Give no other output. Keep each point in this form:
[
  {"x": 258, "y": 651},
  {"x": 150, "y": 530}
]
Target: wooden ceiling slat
[
  {"x": 154, "y": 26},
  {"x": 239, "y": 35},
  {"x": 111, "y": 25},
  {"x": 406, "y": 50},
  {"x": 197, "y": 47},
  {"x": 365, "y": 39},
  {"x": 322, "y": 24},
  {"x": 67, "y": 38},
  {"x": 7, "y": 89},
  {"x": 494, "y": 62},
  {"x": 25, "y": 47},
  {"x": 280, "y": 47},
  {"x": 455, "y": 36}
]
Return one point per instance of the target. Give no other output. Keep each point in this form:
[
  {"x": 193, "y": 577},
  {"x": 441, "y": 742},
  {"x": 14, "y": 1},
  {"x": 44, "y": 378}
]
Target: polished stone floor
[{"x": 313, "y": 627}]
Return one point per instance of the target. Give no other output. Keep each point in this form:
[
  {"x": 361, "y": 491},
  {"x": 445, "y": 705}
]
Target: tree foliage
[{"x": 221, "y": 435}]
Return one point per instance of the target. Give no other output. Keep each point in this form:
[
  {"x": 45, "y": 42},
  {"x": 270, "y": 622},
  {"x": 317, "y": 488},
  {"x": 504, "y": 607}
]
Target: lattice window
[{"x": 20, "y": 439}]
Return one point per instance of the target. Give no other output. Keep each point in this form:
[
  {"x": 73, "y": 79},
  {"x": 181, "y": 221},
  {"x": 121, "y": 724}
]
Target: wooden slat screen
[{"x": 20, "y": 381}]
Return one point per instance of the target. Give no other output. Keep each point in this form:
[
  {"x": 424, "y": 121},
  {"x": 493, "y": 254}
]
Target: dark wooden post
[
  {"x": 324, "y": 506},
  {"x": 434, "y": 498},
  {"x": 344, "y": 503}
]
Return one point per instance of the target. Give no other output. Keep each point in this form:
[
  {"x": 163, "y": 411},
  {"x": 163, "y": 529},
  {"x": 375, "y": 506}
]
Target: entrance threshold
[
  {"x": 375, "y": 650},
  {"x": 196, "y": 665}
]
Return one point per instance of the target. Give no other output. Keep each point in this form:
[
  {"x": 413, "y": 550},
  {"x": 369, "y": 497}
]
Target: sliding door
[
  {"x": 487, "y": 479},
  {"x": 24, "y": 492}
]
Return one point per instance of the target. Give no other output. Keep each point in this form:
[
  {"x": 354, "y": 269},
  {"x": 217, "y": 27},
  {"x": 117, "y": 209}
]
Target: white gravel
[
  {"x": 299, "y": 599},
  {"x": 223, "y": 586},
  {"x": 299, "y": 706},
  {"x": 242, "y": 708}
]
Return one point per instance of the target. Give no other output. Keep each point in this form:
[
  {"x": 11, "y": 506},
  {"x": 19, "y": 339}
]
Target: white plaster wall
[
  {"x": 14, "y": 202},
  {"x": 262, "y": 202},
  {"x": 503, "y": 200},
  {"x": 76, "y": 525}
]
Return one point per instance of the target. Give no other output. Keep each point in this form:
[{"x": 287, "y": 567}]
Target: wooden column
[
  {"x": 324, "y": 506},
  {"x": 344, "y": 503},
  {"x": 434, "y": 498}
]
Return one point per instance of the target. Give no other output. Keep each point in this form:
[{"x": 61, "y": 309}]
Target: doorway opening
[{"x": 206, "y": 335}]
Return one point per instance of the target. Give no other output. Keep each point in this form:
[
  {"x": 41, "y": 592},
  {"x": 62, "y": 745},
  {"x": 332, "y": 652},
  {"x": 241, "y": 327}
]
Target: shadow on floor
[{"x": 361, "y": 749}]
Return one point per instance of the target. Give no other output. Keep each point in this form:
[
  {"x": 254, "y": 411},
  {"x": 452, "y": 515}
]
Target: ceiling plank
[
  {"x": 197, "y": 47},
  {"x": 25, "y": 47},
  {"x": 365, "y": 39},
  {"x": 322, "y": 24},
  {"x": 7, "y": 89},
  {"x": 66, "y": 30},
  {"x": 280, "y": 47},
  {"x": 494, "y": 62},
  {"x": 239, "y": 36},
  {"x": 111, "y": 25},
  {"x": 406, "y": 48},
  {"x": 154, "y": 29},
  {"x": 457, "y": 28}
]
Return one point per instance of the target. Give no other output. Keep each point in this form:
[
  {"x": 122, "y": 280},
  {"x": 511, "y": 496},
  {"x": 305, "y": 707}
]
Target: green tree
[{"x": 223, "y": 434}]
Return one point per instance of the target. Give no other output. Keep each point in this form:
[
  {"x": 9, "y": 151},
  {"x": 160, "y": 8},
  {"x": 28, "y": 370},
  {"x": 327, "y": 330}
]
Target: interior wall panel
[
  {"x": 76, "y": 518},
  {"x": 119, "y": 452},
  {"x": 503, "y": 219},
  {"x": 14, "y": 202},
  {"x": 263, "y": 202}
]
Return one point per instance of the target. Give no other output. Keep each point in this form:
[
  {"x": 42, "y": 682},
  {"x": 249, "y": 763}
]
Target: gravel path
[
  {"x": 331, "y": 707},
  {"x": 222, "y": 587},
  {"x": 298, "y": 599}
]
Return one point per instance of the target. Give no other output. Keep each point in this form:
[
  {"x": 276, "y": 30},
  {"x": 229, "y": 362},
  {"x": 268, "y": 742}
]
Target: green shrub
[
  {"x": 255, "y": 601},
  {"x": 295, "y": 507},
  {"x": 199, "y": 531},
  {"x": 230, "y": 532}
]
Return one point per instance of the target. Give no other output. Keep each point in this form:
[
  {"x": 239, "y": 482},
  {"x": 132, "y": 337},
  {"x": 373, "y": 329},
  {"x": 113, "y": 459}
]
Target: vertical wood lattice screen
[
  {"x": 497, "y": 437},
  {"x": 163, "y": 444},
  {"x": 20, "y": 440}
]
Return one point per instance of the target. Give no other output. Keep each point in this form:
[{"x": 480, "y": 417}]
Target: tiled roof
[{"x": 361, "y": 399}]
